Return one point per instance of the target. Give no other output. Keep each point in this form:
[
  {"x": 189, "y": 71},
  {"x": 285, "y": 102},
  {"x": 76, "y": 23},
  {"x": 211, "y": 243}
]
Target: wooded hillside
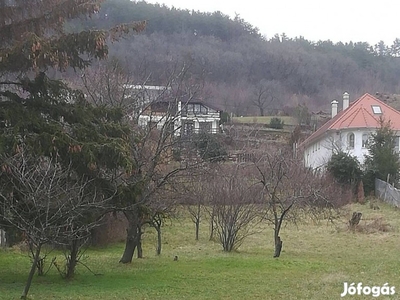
[{"x": 241, "y": 70}]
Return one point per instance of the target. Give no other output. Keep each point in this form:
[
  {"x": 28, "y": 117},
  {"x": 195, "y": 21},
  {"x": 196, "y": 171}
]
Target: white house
[
  {"x": 349, "y": 130},
  {"x": 186, "y": 118},
  {"x": 197, "y": 117},
  {"x": 159, "y": 106}
]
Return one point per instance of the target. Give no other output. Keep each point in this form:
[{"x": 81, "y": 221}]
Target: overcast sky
[{"x": 338, "y": 20}]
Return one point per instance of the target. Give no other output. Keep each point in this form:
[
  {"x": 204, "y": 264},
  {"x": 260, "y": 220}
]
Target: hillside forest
[{"x": 240, "y": 70}]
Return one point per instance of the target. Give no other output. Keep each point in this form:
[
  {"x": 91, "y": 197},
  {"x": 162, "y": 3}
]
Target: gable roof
[
  {"x": 212, "y": 106},
  {"x": 185, "y": 100},
  {"x": 359, "y": 114}
]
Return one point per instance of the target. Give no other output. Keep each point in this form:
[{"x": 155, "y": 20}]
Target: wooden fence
[{"x": 386, "y": 192}]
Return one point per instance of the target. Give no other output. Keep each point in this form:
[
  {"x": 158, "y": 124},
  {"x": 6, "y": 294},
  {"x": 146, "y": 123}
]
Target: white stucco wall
[
  {"x": 145, "y": 119},
  {"x": 359, "y": 150},
  {"x": 317, "y": 154}
]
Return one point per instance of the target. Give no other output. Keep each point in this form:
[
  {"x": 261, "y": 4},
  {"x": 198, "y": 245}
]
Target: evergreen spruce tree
[
  {"x": 46, "y": 120},
  {"x": 345, "y": 169},
  {"x": 382, "y": 160}
]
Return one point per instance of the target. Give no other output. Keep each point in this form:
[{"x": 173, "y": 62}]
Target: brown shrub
[{"x": 373, "y": 226}]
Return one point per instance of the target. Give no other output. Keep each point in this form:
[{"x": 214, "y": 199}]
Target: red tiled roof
[{"x": 358, "y": 115}]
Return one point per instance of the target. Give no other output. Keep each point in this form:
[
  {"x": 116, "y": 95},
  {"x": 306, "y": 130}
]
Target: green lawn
[
  {"x": 264, "y": 120},
  {"x": 316, "y": 260}
]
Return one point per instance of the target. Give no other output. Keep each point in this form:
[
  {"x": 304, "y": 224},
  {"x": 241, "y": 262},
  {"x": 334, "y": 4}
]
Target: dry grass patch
[{"x": 375, "y": 225}]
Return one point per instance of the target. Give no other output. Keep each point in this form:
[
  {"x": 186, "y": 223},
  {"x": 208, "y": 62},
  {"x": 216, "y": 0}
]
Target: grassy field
[
  {"x": 316, "y": 260},
  {"x": 264, "y": 120}
]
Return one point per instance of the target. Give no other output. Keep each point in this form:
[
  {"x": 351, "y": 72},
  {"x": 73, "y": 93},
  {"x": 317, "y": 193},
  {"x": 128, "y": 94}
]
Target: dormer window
[
  {"x": 197, "y": 108},
  {"x": 376, "y": 109}
]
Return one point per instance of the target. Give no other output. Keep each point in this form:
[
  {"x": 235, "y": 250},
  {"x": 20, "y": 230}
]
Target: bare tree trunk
[
  {"x": 278, "y": 245},
  {"x": 32, "y": 272},
  {"x": 40, "y": 260},
  {"x": 130, "y": 245},
  {"x": 131, "y": 237},
  {"x": 139, "y": 250},
  {"x": 277, "y": 239},
  {"x": 72, "y": 259},
  {"x": 196, "y": 217},
  {"x": 212, "y": 225},
  {"x": 139, "y": 242},
  {"x": 157, "y": 222},
  {"x": 2, "y": 238},
  {"x": 197, "y": 223},
  {"x": 158, "y": 228},
  {"x": 355, "y": 220}
]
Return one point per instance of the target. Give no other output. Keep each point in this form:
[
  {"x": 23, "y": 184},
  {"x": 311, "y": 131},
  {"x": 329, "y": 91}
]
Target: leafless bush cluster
[
  {"x": 234, "y": 207},
  {"x": 226, "y": 194}
]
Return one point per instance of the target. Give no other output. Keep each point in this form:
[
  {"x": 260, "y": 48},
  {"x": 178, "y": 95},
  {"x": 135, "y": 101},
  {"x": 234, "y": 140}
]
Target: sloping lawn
[{"x": 316, "y": 260}]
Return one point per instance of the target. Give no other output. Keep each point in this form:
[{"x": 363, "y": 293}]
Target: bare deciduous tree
[
  {"x": 155, "y": 168},
  {"x": 161, "y": 208},
  {"x": 193, "y": 195},
  {"x": 152, "y": 148},
  {"x": 48, "y": 205},
  {"x": 265, "y": 94},
  {"x": 290, "y": 191}
]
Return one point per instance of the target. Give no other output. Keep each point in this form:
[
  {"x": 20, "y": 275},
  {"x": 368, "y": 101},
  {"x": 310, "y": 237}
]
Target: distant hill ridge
[{"x": 242, "y": 71}]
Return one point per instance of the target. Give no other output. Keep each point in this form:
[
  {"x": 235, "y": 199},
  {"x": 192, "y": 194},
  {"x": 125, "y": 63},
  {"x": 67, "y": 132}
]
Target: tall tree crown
[{"x": 32, "y": 35}]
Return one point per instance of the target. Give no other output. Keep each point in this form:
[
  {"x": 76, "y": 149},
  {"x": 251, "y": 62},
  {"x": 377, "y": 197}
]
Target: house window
[
  {"x": 365, "y": 138},
  {"x": 350, "y": 141},
  {"x": 197, "y": 108},
  {"x": 376, "y": 109},
  {"x": 204, "y": 110}
]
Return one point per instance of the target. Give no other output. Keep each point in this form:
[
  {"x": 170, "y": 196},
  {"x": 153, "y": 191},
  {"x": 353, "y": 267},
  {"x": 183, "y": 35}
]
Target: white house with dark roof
[
  {"x": 198, "y": 116},
  {"x": 155, "y": 106},
  {"x": 187, "y": 118},
  {"x": 349, "y": 130}
]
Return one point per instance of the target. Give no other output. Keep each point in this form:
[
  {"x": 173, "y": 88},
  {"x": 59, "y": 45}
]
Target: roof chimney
[
  {"x": 346, "y": 100},
  {"x": 334, "y": 108}
]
